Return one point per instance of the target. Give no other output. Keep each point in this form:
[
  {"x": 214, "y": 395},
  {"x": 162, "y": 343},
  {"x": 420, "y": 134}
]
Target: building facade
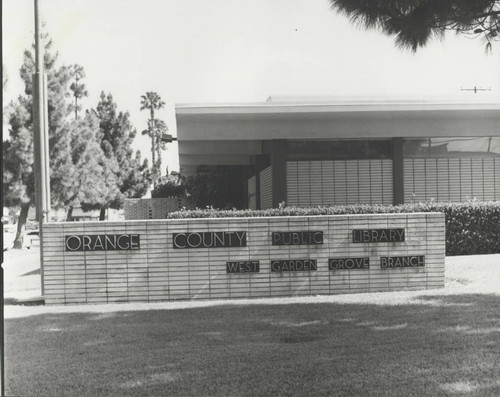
[{"x": 323, "y": 153}]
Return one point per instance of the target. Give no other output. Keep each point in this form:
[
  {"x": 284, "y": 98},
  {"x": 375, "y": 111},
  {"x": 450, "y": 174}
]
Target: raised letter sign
[
  {"x": 296, "y": 238},
  {"x": 209, "y": 239},
  {"x": 378, "y": 235},
  {"x": 388, "y": 262},
  {"x": 243, "y": 267},
  {"x": 293, "y": 265},
  {"x": 102, "y": 242},
  {"x": 348, "y": 263}
]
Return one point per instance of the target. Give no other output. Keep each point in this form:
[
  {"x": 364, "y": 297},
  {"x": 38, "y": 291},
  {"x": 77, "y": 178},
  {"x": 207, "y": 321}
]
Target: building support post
[{"x": 398, "y": 170}]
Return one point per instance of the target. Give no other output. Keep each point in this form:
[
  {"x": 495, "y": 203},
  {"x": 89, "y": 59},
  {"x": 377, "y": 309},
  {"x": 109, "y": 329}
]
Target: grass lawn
[
  {"x": 437, "y": 342},
  {"x": 437, "y": 345}
]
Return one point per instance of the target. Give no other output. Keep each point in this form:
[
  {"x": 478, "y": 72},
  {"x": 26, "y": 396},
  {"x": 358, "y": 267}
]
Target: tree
[
  {"x": 169, "y": 186},
  {"x": 18, "y": 178},
  {"x": 415, "y": 22},
  {"x": 156, "y": 128},
  {"x": 160, "y": 128},
  {"x": 77, "y": 88},
  {"x": 116, "y": 136},
  {"x": 90, "y": 177}
]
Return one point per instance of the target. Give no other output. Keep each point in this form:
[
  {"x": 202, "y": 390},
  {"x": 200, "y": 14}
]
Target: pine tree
[
  {"x": 116, "y": 136},
  {"x": 18, "y": 179},
  {"x": 415, "y": 22},
  {"x": 90, "y": 179},
  {"x": 69, "y": 174},
  {"x": 78, "y": 88}
]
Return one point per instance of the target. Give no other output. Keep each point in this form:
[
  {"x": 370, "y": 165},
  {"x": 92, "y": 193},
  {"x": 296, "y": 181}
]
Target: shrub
[
  {"x": 471, "y": 228},
  {"x": 168, "y": 187},
  {"x": 224, "y": 187}
]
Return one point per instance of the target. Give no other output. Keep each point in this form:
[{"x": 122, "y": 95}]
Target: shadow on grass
[{"x": 449, "y": 347}]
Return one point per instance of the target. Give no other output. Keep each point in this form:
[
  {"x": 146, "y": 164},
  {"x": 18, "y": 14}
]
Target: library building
[{"x": 310, "y": 153}]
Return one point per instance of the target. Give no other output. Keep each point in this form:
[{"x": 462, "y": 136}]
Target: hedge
[{"x": 471, "y": 228}]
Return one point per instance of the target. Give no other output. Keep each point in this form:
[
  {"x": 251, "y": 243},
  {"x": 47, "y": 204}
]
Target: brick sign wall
[{"x": 159, "y": 260}]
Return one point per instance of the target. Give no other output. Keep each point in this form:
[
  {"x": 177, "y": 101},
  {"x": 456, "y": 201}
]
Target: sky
[{"x": 227, "y": 51}]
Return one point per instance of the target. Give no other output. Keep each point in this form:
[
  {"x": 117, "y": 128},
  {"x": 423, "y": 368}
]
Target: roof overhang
[{"x": 231, "y": 134}]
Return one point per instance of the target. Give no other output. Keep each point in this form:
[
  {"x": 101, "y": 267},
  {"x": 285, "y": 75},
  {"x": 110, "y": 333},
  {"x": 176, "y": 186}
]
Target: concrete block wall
[{"x": 158, "y": 272}]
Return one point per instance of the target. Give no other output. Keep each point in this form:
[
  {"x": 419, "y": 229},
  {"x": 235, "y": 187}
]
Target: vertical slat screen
[
  {"x": 266, "y": 188},
  {"x": 452, "y": 179},
  {"x": 292, "y": 183},
  {"x": 455, "y": 190},
  {"x": 489, "y": 178},
  {"x": 252, "y": 204},
  {"x": 387, "y": 182},
  {"x": 340, "y": 182},
  {"x": 466, "y": 178},
  {"x": 312, "y": 183},
  {"x": 328, "y": 182},
  {"x": 316, "y": 179}
]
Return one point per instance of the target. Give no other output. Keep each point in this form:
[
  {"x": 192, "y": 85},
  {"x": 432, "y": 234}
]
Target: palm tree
[
  {"x": 152, "y": 101},
  {"x": 415, "y": 22}
]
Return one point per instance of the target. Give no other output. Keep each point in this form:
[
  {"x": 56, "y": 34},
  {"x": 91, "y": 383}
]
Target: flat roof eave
[{"x": 341, "y": 107}]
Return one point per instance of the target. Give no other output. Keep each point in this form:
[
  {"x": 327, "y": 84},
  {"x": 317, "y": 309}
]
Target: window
[
  {"x": 340, "y": 149},
  {"x": 452, "y": 147}
]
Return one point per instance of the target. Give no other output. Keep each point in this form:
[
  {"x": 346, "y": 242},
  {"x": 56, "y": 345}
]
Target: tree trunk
[
  {"x": 21, "y": 226},
  {"x": 70, "y": 213},
  {"x": 159, "y": 159},
  {"x": 153, "y": 149},
  {"x": 102, "y": 214},
  {"x": 153, "y": 152}
]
